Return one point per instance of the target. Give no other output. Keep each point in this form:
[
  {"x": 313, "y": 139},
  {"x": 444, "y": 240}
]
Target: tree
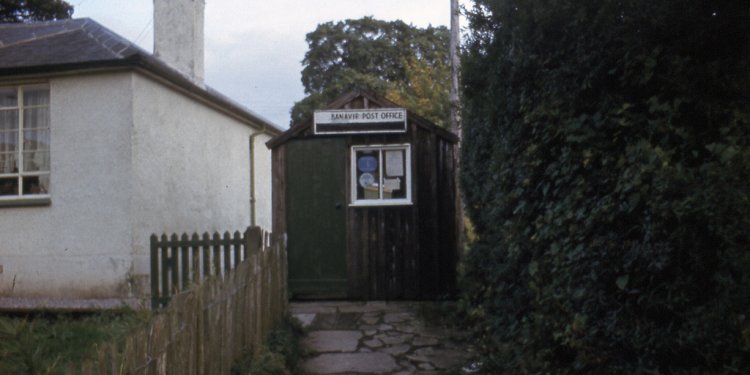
[
  {"x": 393, "y": 59},
  {"x": 606, "y": 168},
  {"x": 34, "y": 10}
]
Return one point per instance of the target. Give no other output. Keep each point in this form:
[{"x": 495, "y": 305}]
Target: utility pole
[
  {"x": 456, "y": 127},
  {"x": 455, "y": 68}
]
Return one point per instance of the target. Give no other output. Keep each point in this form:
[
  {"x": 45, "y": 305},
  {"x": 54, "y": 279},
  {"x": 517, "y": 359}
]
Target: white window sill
[
  {"x": 15, "y": 201},
  {"x": 380, "y": 203}
]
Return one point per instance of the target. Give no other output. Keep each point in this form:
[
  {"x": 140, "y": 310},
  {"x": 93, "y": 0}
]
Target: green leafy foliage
[
  {"x": 399, "y": 61},
  {"x": 34, "y": 10},
  {"x": 606, "y": 168}
]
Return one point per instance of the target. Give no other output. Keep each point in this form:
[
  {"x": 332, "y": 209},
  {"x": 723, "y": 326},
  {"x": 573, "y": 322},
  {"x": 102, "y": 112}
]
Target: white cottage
[{"x": 102, "y": 144}]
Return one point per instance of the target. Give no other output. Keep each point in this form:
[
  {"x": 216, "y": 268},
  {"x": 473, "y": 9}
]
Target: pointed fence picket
[
  {"x": 177, "y": 262},
  {"x": 218, "y": 297}
]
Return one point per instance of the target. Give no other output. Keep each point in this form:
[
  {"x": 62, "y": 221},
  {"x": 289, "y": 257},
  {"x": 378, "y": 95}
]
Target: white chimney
[{"x": 178, "y": 35}]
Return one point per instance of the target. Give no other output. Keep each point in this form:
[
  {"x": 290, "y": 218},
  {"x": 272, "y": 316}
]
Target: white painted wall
[
  {"x": 263, "y": 182},
  {"x": 129, "y": 157},
  {"x": 191, "y": 168},
  {"x": 79, "y": 246}
]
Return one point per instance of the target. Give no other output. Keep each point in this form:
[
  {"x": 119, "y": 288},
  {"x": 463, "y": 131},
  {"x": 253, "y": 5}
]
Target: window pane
[
  {"x": 35, "y": 161},
  {"x": 394, "y": 182},
  {"x": 8, "y": 140},
  {"x": 36, "y": 118},
  {"x": 8, "y": 119},
  {"x": 34, "y": 140},
  {"x": 8, "y": 163},
  {"x": 368, "y": 174},
  {"x": 36, "y": 184},
  {"x": 9, "y": 186},
  {"x": 35, "y": 96},
  {"x": 8, "y": 97}
]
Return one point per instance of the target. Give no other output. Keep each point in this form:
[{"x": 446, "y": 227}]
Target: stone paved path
[{"x": 377, "y": 338}]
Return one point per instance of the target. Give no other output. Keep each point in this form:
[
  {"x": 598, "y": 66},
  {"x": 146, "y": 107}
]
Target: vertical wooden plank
[
  {"x": 154, "y": 272},
  {"x": 255, "y": 252},
  {"x": 447, "y": 219},
  {"x": 164, "y": 270},
  {"x": 428, "y": 231},
  {"x": 411, "y": 249},
  {"x": 227, "y": 246},
  {"x": 87, "y": 368},
  {"x": 278, "y": 192},
  {"x": 204, "y": 331},
  {"x": 184, "y": 262},
  {"x": 237, "y": 248},
  {"x": 195, "y": 259},
  {"x": 116, "y": 364},
  {"x": 130, "y": 354},
  {"x": 245, "y": 250},
  {"x": 216, "y": 246},
  {"x": 206, "y": 250},
  {"x": 173, "y": 265},
  {"x": 382, "y": 265},
  {"x": 102, "y": 364}
]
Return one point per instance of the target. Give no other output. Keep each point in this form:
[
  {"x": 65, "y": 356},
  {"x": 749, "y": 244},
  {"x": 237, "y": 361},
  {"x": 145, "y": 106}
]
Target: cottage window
[
  {"x": 24, "y": 143},
  {"x": 381, "y": 175}
]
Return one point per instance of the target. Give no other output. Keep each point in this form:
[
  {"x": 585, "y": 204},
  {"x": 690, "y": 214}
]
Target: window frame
[
  {"x": 21, "y": 198},
  {"x": 381, "y": 148}
]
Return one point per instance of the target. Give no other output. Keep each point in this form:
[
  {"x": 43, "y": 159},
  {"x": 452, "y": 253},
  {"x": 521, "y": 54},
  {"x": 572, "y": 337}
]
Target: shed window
[
  {"x": 381, "y": 175},
  {"x": 24, "y": 142}
]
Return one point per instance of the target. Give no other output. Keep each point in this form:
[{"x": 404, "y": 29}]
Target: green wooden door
[{"x": 316, "y": 209}]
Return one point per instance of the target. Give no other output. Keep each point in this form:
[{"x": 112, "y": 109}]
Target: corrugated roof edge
[{"x": 138, "y": 58}]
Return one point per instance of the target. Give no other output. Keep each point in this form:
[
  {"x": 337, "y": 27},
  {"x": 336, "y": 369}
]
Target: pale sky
[{"x": 254, "y": 48}]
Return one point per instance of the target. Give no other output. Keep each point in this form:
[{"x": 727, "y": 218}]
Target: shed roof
[
  {"x": 82, "y": 45},
  {"x": 343, "y": 101}
]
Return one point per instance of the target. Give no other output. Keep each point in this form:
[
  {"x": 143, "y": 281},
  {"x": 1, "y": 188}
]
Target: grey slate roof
[
  {"x": 75, "y": 44},
  {"x": 72, "y": 41}
]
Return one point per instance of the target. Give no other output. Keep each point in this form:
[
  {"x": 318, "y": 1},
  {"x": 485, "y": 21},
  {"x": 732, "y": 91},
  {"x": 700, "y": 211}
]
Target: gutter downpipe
[{"x": 252, "y": 175}]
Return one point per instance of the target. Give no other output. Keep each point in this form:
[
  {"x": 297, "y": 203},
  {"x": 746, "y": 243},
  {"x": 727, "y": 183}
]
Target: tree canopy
[
  {"x": 402, "y": 62},
  {"x": 606, "y": 168},
  {"x": 34, "y": 10}
]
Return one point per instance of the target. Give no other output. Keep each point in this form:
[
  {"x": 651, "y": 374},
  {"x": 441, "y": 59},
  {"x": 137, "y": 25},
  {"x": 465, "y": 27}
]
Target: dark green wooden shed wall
[{"x": 392, "y": 252}]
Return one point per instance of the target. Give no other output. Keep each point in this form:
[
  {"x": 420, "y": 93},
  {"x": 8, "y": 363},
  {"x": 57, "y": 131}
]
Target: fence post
[
  {"x": 184, "y": 261},
  {"x": 154, "y": 272},
  {"x": 237, "y": 248},
  {"x": 254, "y": 239}
]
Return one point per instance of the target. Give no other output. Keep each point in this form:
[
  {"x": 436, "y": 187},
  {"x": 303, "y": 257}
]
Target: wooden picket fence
[
  {"x": 205, "y": 328},
  {"x": 178, "y": 262}
]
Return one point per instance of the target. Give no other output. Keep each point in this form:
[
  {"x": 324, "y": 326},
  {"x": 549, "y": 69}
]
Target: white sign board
[{"x": 348, "y": 121}]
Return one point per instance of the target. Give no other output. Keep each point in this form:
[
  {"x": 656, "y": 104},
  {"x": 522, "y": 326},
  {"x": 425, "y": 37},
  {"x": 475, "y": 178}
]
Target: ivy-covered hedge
[{"x": 607, "y": 171}]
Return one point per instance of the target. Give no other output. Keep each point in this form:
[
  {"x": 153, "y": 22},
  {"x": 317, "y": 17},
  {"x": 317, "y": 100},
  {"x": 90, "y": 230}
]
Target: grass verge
[{"x": 44, "y": 343}]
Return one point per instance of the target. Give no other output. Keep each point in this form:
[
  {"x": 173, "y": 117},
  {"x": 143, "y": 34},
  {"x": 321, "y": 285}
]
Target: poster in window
[
  {"x": 366, "y": 180},
  {"x": 367, "y": 163},
  {"x": 394, "y": 163},
  {"x": 392, "y": 184}
]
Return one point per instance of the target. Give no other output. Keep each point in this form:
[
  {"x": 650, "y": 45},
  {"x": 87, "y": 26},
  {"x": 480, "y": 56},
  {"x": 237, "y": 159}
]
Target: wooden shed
[{"x": 365, "y": 193}]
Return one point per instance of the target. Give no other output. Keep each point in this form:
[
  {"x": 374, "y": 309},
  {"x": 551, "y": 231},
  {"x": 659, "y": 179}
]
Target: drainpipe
[{"x": 252, "y": 177}]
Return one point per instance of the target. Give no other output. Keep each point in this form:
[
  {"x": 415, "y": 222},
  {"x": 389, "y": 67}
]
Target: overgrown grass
[
  {"x": 282, "y": 353},
  {"x": 442, "y": 314},
  {"x": 44, "y": 343}
]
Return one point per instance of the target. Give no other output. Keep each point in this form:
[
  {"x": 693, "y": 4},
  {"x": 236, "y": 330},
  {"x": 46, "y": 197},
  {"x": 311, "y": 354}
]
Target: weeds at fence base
[{"x": 281, "y": 354}]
